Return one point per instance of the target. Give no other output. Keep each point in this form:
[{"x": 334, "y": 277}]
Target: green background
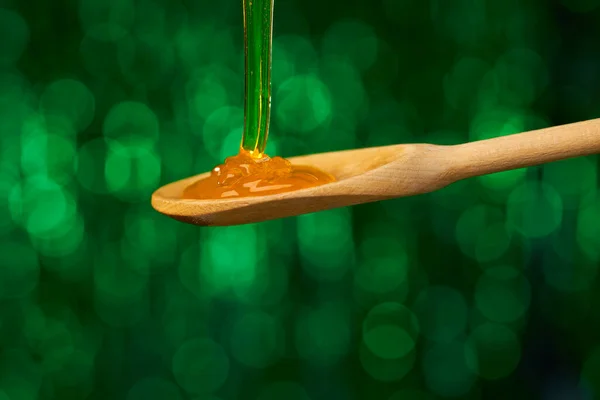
[{"x": 487, "y": 289}]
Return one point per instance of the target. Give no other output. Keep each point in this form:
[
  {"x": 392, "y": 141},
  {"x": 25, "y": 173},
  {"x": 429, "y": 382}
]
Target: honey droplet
[{"x": 244, "y": 175}]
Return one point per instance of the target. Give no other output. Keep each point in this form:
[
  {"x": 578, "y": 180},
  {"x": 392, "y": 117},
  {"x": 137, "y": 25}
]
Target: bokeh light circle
[
  {"x": 503, "y": 294},
  {"x": 293, "y": 55},
  {"x": 117, "y": 12},
  {"x": 91, "y": 160},
  {"x": 389, "y": 336},
  {"x": 200, "y": 366},
  {"x": 44, "y": 207},
  {"x": 446, "y": 371},
  {"x": 20, "y": 269},
  {"x": 224, "y": 270},
  {"x": 218, "y": 125},
  {"x": 131, "y": 119},
  {"x": 380, "y": 275},
  {"x": 442, "y": 313},
  {"x": 150, "y": 238},
  {"x": 7, "y": 224},
  {"x": 481, "y": 234},
  {"x": 574, "y": 192},
  {"x": 534, "y": 210},
  {"x": 323, "y": 334},
  {"x": 104, "y": 51},
  {"x": 12, "y": 26},
  {"x": 205, "y": 92},
  {"x": 325, "y": 243},
  {"x": 70, "y": 100},
  {"x": 150, "y": 63},
  {"x": 463, "y": 81},
  {"x": 132, "y": 171},
  {"x": 390, "y": 330},
  {"x": 307, "y": 92},
  {"x": 353, "y": 40},
  {"x": 588, "y": 229},
  {"x": 493, "y": 351},
  {"x": 257, "y": 340},
  {"x": 569, "y": 276},
  {"x": 385, "y": 370}
]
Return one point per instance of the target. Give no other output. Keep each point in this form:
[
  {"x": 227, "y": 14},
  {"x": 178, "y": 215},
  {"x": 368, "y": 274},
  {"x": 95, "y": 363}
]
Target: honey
[
  {"x": 244, "y": 175},
  {"x": 252, "y": 172}
]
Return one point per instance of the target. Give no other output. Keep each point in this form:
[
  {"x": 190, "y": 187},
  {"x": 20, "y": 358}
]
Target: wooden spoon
[{"x": 381, "y": 173}]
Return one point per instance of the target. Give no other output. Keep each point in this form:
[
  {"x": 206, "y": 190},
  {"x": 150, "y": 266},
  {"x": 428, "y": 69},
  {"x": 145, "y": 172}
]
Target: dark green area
[{"x": 486, "y": 289}]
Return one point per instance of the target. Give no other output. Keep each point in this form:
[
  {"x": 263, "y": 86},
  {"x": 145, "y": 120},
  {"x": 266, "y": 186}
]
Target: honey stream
[{"x": 252, "y": 172}]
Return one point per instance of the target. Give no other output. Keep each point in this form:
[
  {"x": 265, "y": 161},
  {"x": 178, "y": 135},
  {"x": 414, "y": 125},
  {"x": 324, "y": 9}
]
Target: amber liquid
[
  {"x": 244, "y": 175},
  {"x": 251, "y": 172}
]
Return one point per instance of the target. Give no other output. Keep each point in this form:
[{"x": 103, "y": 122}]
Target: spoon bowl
[
  {"x": 380, "y": 173},
  {"x": 362, "y": 176}
]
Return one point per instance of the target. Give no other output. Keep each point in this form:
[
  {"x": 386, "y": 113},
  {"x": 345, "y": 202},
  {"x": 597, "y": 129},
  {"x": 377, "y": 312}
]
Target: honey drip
[
  {"x": 251, "y": 172},
  {"x": 244, "y": 175}
]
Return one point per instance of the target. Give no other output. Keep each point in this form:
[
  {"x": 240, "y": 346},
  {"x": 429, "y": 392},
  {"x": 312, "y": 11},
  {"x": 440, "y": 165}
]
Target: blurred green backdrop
[{"x": 487, "y": 289}]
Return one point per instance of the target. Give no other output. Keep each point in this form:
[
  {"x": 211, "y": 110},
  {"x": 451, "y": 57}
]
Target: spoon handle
[{"x": 526, "y": 149}]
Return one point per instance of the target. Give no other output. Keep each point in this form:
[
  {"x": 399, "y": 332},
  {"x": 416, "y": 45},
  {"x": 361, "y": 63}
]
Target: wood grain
[
  {"x": 380, "y": 173},
  {"x": 526, "y": 149}
]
